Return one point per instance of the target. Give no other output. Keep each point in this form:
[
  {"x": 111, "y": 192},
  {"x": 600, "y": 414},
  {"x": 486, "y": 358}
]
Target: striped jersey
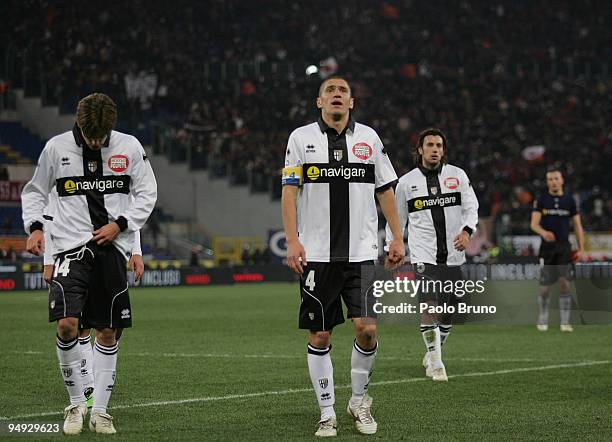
[
  {"x": 49, "y": 252},
  {"x": 437, "y": 205},
  {"x": 338, "y": 175},
  {"x": 87, "y": 189}
]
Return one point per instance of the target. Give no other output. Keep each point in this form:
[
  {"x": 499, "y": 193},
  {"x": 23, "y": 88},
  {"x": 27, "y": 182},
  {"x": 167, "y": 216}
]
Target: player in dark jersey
[{"x": 550, "y": 219}]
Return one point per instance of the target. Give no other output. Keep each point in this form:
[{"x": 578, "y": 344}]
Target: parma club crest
[{"x": 92, "y": 166}]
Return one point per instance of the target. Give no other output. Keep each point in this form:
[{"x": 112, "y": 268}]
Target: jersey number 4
[{"x": 310, "y": 282}]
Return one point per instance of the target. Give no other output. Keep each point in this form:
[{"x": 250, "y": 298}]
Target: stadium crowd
[{"x": 468, "y": 67}]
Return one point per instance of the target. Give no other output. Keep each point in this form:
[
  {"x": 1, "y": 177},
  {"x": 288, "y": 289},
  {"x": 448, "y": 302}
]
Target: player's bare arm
[
  {"x": 579, "y": 235},
  {"x": 546, "y": 235},
  {"x": 386, "y": 198},
  {"x": 296, "y": 255}
]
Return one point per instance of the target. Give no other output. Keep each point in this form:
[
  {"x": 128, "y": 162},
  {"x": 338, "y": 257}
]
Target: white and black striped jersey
[
  {"x": 338, "y": 175},
  {"x": 437, "y": 205},
  {"x": 49, "y": 254},
  {"x": 89, "y": 189}
]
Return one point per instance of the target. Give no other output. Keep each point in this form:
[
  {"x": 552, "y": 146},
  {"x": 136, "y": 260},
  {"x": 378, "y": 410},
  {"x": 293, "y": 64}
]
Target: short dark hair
[
  {"x": 430, "y": 131},
  {"x": 552, "y": 169},
  {"x": 96, "y": 115},
  {"x": 334, "y": 77}
]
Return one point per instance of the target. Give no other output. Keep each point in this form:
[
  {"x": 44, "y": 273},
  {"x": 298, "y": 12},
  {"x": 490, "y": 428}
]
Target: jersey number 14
[{"x": 63, "y": 268}]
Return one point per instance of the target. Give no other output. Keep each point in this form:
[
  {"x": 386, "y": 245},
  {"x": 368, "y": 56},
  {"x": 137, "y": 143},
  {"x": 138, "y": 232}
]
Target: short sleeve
[
  {"x": 573, "y": 206},
  {"x": 537, "y": 205},
  {"x": 292, "y": 172},
  {"x": 384, "y": 173}
]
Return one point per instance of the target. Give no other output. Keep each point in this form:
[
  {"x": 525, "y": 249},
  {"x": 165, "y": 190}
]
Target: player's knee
[
  {"x": 545, "y": 290},
  {"x": 446, "y": 318},
  {"x": 67, "y": 328},
  {"x": 84, "y": 332},
  {"x": 320, "y": 339},
  {"x": 366, "y": 335},
  {"x": 106, "y": 336}
]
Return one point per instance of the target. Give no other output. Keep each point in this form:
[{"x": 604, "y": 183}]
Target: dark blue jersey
[{"x": 556, "y": 213}]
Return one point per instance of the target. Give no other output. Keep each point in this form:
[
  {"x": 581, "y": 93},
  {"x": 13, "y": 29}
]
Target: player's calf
[{"x": 104, "y": 366}]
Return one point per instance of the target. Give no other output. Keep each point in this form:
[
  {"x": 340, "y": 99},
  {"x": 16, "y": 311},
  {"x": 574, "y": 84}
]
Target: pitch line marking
[
  {"x": 305, "y": 390},
  {"x": 280, "y": 356}
]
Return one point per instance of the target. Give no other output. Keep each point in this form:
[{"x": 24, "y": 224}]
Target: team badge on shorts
[
  {"x": 311, "y": 316},
  {"x": 420, "y": 267},
  {"x": 323, "y": 382}
]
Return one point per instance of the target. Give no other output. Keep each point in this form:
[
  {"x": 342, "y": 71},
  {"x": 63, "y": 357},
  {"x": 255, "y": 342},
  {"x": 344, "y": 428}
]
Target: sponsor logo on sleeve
[
  {"x": 363, "y": 151},
  {"x": 119, "y": 163},
  {"x": 451, "y": 182}
]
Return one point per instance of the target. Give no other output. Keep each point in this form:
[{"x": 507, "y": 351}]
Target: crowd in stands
[{"x": 496, "y": 76}]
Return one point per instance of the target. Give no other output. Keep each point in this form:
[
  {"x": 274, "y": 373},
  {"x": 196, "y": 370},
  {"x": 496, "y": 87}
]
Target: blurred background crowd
[{"x": 517, "y": 85}]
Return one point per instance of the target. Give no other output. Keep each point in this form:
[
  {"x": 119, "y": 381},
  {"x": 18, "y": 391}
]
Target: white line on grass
[
  {"x": 280, "y": 356},
  {"x": 304, "y": 390}
]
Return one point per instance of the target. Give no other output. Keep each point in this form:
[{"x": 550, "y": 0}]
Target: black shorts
[
  {"x": 555, "y": 261},
  {"x": 436, "y": 280},
  {"x": 322, "y": 286},
  {"x": 90, "y": 283}
]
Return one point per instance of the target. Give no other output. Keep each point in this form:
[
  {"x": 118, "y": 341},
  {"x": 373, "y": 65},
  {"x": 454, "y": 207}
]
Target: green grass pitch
[{"x": 228, "y": 363}]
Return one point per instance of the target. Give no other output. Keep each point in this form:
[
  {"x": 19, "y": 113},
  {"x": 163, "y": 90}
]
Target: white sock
[
  {"x": 86, "y": 362},
  {"x": 543, "y": 303},
  {"x": 322, "y": 377},
  {"x": 104, "y": 365},
  {"x": 362, "y": 364},
  {"x": 565, "y": 307},
  {"x": 431, "y": 337},
  {"x": 69, "y": 356},
  {"x": 427, "y": 331},
  {"x": 445, "y": 330}
]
